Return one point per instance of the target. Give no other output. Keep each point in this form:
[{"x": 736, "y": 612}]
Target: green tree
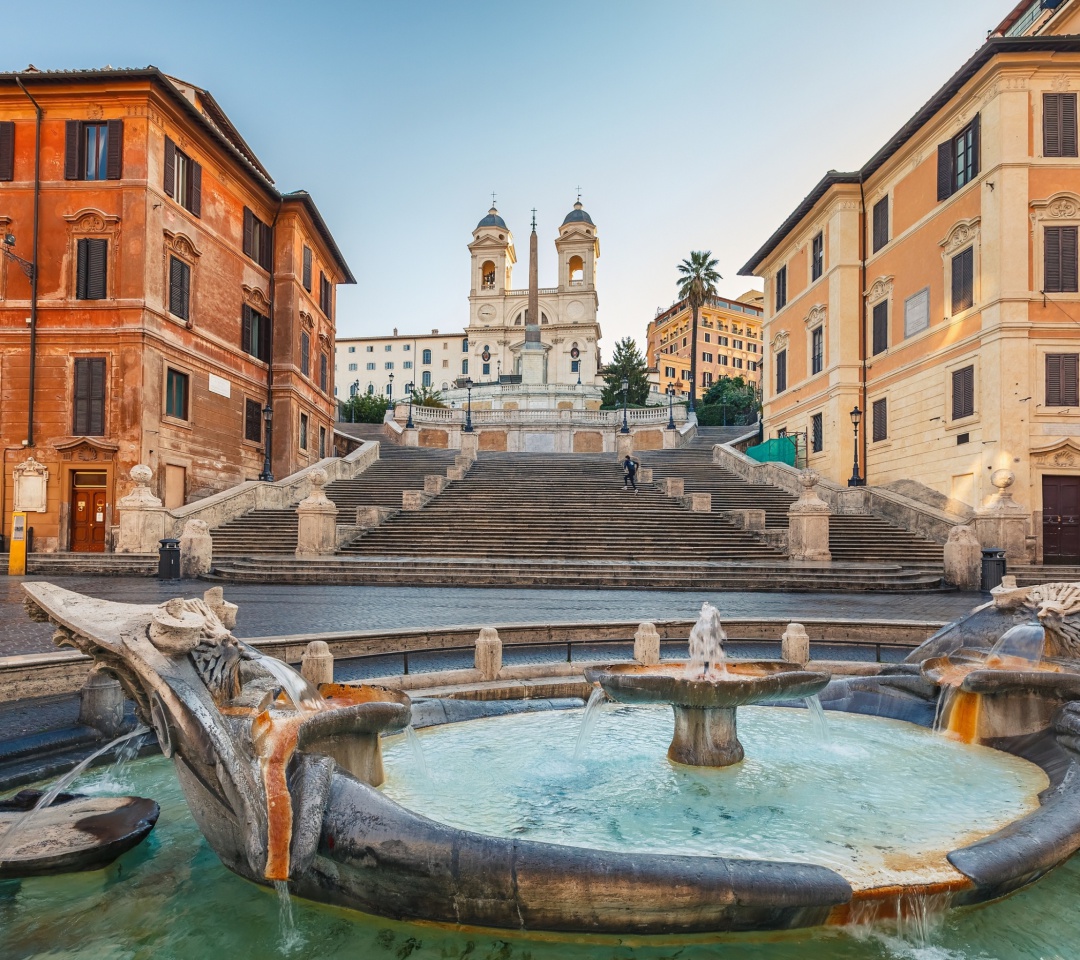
[
  {"x": 627, "y": 361},
  {"x": 427, "y": 397},
  {"x": 364, "y": 408},
  {"x": 728, "y": 400},
  {"x": 697, "y": 284}
]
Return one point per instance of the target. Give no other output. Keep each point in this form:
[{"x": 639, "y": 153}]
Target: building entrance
[
  {"x": 1061, "y": 520},
  {"x": 88, "y": 502}
]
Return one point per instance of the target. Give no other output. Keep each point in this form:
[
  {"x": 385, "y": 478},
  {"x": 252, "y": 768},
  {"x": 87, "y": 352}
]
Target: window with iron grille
[
  {"x": 817, "y": 442},
  {"x": 880, "y": 420},
  {"x": 963, "y": 393},
  {"x": 1061, "y": 380}
]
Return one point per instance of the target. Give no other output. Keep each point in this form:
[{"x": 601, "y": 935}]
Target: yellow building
[
  {"x": 729, "y": 343},
  {"x": 936, "y": 291}
]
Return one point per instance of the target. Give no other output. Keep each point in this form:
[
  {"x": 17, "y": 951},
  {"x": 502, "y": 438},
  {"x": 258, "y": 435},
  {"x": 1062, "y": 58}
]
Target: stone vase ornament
[
  {"x": 808, "y": 523},
  {"x": 142, "y": 515},
  {"x": 317, "y": 530}
]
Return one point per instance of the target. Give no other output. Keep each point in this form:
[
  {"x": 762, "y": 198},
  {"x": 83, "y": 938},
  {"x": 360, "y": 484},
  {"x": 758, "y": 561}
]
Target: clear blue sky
[{"x": 688, "y": 124}]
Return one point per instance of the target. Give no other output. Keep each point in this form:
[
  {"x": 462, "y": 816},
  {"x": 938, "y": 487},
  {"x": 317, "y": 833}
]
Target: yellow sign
[{"x": 17, "y": 550}]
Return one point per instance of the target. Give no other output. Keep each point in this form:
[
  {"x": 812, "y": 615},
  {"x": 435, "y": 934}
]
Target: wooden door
[
  {"x": 1061, "y": 520},
  {"x": 175, "y": 486},
  {"x": 88, "y": 521}
]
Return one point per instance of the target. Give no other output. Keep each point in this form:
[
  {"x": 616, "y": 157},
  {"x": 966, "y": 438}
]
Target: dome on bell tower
[
  {"x": 493, "y": 220},
  {"x": 577, "y": 215}
]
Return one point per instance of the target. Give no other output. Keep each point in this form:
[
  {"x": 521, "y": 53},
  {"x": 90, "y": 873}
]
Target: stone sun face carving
[{"x": 1056, "y": 606}]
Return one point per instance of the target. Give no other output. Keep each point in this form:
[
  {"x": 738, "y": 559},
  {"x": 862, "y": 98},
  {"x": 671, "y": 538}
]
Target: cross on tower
[
  {"x": 534, "y": 218},
  {"x": 493, "y": 198},
  {"x": 579, "y": 194}
]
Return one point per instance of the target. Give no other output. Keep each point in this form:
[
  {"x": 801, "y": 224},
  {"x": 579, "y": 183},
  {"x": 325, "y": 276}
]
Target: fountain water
[
  {"x": 588, "y": 721},
  {"x": 417, "y": 750},
  {"x": 301, "y": 693}
]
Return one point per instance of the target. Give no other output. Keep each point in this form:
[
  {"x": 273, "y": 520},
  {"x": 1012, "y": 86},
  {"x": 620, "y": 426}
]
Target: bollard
[
  {"x": 488, "y": 655},
  {"x": 317, "y": 664},
  {"x": 647, "y": 644},
  {"x": 795, "y": 644}
]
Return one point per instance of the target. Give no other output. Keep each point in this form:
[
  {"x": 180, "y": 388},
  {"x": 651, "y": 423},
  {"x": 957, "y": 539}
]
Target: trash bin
[
  {"x": 993, "y": 569},
  {"x": 169, "y": 559}
]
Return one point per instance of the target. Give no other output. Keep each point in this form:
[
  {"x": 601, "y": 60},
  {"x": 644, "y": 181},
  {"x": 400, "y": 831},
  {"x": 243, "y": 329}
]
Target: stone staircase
[{"x": 1030, "y": 575}]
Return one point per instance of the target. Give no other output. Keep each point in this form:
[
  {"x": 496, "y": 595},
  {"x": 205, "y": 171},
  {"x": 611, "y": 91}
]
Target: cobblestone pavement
[{"x": 277, "y": 609}]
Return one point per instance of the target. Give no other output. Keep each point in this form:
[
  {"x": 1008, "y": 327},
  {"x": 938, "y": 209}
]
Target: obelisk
[{"x": 532, "y": 352}]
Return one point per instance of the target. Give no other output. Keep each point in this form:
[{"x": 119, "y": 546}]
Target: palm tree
[{"x": 697, "y": 284}]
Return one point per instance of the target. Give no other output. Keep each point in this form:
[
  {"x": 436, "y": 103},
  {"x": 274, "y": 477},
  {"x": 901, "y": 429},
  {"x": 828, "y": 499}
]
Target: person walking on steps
[{"x": 630, "y": 468}]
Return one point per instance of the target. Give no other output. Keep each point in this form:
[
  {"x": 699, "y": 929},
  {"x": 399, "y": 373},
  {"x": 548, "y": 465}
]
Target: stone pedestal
[
  {"x": 1003, "y": 523},
  {"x": 963, "y": 559},
  {"x": 624, "y": 445},
  {"x": 795, "y": 644},
  {"x": 698, "y": 502},
  {"x": 196, "y": 550},
  {"x": 808, "y": 523},
  {"x": 101, "y": 703},
  {"x": 317, "y": 533},
  {"x": 674, "y": 486},
  {"x": 748, "y": 519},
  {"x": 647, "y": 644},
  {"x": 410, "y": 437},
  {"x": 532, "y": 366},
  {"x": 142, "y": 516},
  {"x": 414, "y": 499},
  {"x": 317, "y": 663},
  {"x": 488, "y": 654},
  {"x": 455, "y": 473},
  {"x": 470, "y": 445},
  {"x": 434, "y": 484},
  {"x": 644, "y": 475}
]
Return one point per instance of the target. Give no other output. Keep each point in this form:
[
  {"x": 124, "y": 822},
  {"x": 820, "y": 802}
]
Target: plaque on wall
[{"x": 31, "y": 485}]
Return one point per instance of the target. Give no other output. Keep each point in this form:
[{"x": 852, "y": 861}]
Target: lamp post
[
  {"x": 268, "y": 418},
  {"x": 468, "y": 409},
  {"x": 409, "y": 389},
  {"x": 625, "y": 388},
  {"x": 353, "y": 394},
  {"x": 670, "y": 406},
  {"x": 856, "y": 480},
  {"x": 390, "y": 394}
]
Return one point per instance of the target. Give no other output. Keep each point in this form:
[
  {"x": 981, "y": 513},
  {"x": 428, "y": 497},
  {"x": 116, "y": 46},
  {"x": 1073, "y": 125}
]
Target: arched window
[
  {"x": 444, "y": 385},
  {"x": 519, "y": 319},
  {"x": 389, "y": 387},
  {"x": 577, "y": 271},
  {"x": 426, "y": 358},
  {"x": 354, "y": 389},
  {"x": 425, "y": 380},
  {"x": 370, "y": 389},
  {"x": 487, "y": 275},
  {"x": 543, "y": 318},
  {"x": 465, "y": 346}
]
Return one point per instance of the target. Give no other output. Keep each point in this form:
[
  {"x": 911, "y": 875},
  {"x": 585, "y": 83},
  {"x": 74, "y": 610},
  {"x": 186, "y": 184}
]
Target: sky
[{"x": 687, "y": 124}]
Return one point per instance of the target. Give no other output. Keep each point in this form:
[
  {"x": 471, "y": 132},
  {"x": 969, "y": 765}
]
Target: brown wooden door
[
  {"x": 88, "y": 521},
  {"x": 1061, "y": 520}
]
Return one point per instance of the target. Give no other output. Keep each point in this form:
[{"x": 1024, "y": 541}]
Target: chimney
[
  {"x": 395, "y": 331},
  {"x": 433, "y": 332}
]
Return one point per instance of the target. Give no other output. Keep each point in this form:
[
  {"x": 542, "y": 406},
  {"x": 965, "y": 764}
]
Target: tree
[
  {"x": 697, "y": 284},
  {"x": 427, "y": 397},
  {"x": 728, "y": 400},
  {"x": 627, "y": 361},
  {"x": 364, "y": 408}
]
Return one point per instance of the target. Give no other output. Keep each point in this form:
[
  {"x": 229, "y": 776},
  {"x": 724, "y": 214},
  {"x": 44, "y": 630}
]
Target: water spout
[
  {"x": 417, "y": 750},
  {"x": 588, "y": 721},
  {"x": 818, "y": 722},
  {"x": 300, "y": 692},
  {"x": 1025, "y": 641},
  {"x": 291, "y": 938},
  {"x": 707, "y": 643}
]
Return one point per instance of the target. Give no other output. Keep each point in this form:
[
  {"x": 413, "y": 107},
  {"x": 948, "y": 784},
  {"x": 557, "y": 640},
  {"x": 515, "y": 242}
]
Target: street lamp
[
  {"x": 390, "y": 393},
  {"x": 468, "y": 409},
  {"x": 670, "y": 406},
  {"x": 625, "y": 388},
  {"x": 268, "y": 417},
  {"x": 856, "y": 480},
  {"x": 27, "y": 267},
  {"x": 408, "y": 389},
  {"x": 354, "y": 392}
]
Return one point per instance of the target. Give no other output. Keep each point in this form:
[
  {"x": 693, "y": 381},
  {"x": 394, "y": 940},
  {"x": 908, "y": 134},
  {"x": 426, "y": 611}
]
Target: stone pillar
[
  {"x": 317, "y": 664},
  {"x": 808, "y": 523},
  {"x": 414, "y": 499},
  {"x": 470, "y": 444},
  {"x": 434, "y": 484},
  {"x": 317, "y": 533},
  {"x": 142, "y": 516},
  {"x": 410, "y": 437},
  {"x": 196, "y": 550},
  {"x": 1003, "y": 523},
  {"x": 644, "y": 475},
  {"x": 795, "y": 644},
  {"x": 101, "y": 703},
  {"x": 963, "y": 559},
  {"x": 624, "y": 445},
  {"x": 225, "y": 611},
  {"x": 698, "y": 502},
  {"x": 488, "y": 654},
  {"x": 647, "y": 644},
  {"x": 674, "y": 487}
]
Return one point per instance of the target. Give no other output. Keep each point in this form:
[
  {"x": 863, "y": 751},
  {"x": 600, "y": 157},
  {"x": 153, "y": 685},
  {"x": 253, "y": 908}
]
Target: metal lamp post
[
  {"x": 390, "y": 392},
  {"x": 409, "y": 389},
  {"x": 468, "y": 408},
  {"x": 268, "y": 418},
  {"x": 353, "y": 394},
  {"x": 856, "y": 480},
  {"x": 670, "y": 406},
  {"x": 625, "y": 388}
]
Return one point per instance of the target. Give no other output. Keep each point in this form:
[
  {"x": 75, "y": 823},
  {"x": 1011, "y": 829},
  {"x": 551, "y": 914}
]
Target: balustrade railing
[{"x": 612, "y": 418}]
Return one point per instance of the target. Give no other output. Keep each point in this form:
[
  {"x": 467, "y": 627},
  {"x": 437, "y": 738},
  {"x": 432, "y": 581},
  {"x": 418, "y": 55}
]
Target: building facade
[
  {"x": 173, "y": 297},
  {"x": 935, "y": 292},
  {"x": 386, "y": 365},
  {"x": 729, "y": 343}
]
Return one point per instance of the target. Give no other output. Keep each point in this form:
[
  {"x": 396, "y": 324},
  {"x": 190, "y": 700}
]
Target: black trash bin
[
  {"x": 993, "y": 569},
  {"x": 168, "y": 567}
]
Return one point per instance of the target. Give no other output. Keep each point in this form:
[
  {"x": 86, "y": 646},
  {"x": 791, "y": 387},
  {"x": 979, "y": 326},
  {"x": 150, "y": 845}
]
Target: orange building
[
  {"x": 176, "y": 294},
  {"x": 935, "y": 290}
]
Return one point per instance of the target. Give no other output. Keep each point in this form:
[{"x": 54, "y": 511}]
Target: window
[
  {"x": 425, "y": 378},
  {"x": 736, "y": 345},
  {"x": 575, "y": 366},
  {"x": 255, "y": 334},
  {"x": 880, "y": 420},
  {"x": 706, "y": 379},
  {"x": 407, "y": 347},
  {"x": 252, "y": 421},
  {"x": 781, "y": 288},
  {"x": 303, "y": 431},
  {"x": 707, "y": 338},
  {"x": 917, "y": 312},
  {"x": 958, "y": 160},
  {"x": 464, "y": 367},
  {"x": 322, "y": 442},
  {"x": 781, "y": 371},
  {"x": 7, "y": 149},
  {"x": 370, "y": 348},
  {"x": 1059, "y": 124},
  {"x": 257, "y": 240},
  {"x": 464, "y": 346},
  {"x": 353, "y": 367},
  {"x": 326, "y": 295},
  {"x": 92, "y": 254},
  {"x": 324, "y": 374},
  {"x": 1061, "y": 380},
  {"x": 305, "y": 354},
  {"x": 736, "y": 362},
  {"x": 370, "y": 366},
  {"x": 881, "y": 224},
  {"x": 963, "y": 279},
  {"x": 352, "y": 349},
  {"x": 445, "y": 363},
  {"x": 684, "y": 374},
  {"x": 669, "y": 372},
  {"x": 92, "y": 150},
  {"x": 307, "y": 276},
  {"x": 706, "y": 358},
  {"x": 89, "y": 395},
  {"x": 817, "y": 434},
  {"x": 963, "y": 393},
  {"x": 817, "y": 350},
  {"x": 722, "y": 341},
  {"x": 486, "y": 369},
  {"x": 425, "y": 357},
  {"x": 388, "y": 365},
  {"x": 407, "y": 365},
  {"x": 176, "y": 394},
  {"x": 817, "y": 257},
  {"x": 179, "y": 288},
  {"x": 881, "y": 327},
  {"x": 722, "y": 360},
  {"x": 183, "y": 179},
  {"x": 1059, "y": 260},
  {"x": 751, "y": 365}
]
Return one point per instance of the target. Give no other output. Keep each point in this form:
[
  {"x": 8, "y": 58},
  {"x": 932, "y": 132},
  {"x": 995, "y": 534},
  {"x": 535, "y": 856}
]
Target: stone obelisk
[{"x": 532, "y": 352}]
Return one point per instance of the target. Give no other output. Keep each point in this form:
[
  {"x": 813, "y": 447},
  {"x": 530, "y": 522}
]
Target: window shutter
[
  {"x": 252, "y": 420},
  {"x": 976, "y": 145},
  {"x": 307, "y": 269},
  {"x": 305, "y": 353},
  {"x": 170, "y": 168},
  {"x": 82, "y": 398},
  {"x": 781, "y": 371},
  {"x": 322, "y": 372},
  {"x": 1068, "y": 125},
  {"x": 946, "y": 163},
  {"x": 115, "y": 160},
  {"x": 245, "y": 329},
  {"x": 196, "y": 188},
  {"x": 963, "y": 277},
  {"x": 97, "y": 398},
  {"x": 249, "y": 232},
  {"x": 1068, "y": 259},
  {"x": 7, "y": 150},
  {"x": 83, "y": 256},
  {"x": 881, "y": 420},
  {"x": 1053, "y": 379},
  {"x": 881, "y": 224},
  {"x": 97, "y": 255},
  {"x": 1070, "y": 387},
  {"x": 264, "y": 339},
  {"x": 1051, "y": 125},
  {"x": 1051, "y": 259},
  {"x": 881, "y": 326},
  {"x": 179, "y": 288},
  {"x": 71, "y": 149},
  {"x": 963, "y": 393},
  {"x": 266, "y": 246}
]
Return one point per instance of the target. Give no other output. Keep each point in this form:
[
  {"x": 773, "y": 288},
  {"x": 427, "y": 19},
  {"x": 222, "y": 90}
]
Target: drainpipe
[
  {"x": 862, "y": 327},
  {"x": 34, "y": 261},
  {"x": 269, "y": 439}
]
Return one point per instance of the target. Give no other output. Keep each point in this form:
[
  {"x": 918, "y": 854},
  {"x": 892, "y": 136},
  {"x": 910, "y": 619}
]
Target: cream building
[{"x": 366, "y": 364}]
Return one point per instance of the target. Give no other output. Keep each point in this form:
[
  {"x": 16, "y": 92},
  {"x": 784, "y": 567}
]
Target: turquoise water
[{"x": 171, "y": 898}]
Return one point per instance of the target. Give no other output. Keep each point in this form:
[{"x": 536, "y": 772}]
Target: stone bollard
[
  {"x": 674, "y": 487},
  {"x": 414, "y": 499},
  {"x": 434, "y": 484},
  {"x": 808, "y": 523},
  {"x": 317, "y": 532},
  {"x": 470, "y": 444},
  {"x": 795, "y": 644},
  {"x": 698, "y": 502},
  {"x": 455, "y": 473},
  {"x": 644, "y": 475},
  {"x": 647, "y": 644},
  {"x": 142, "y": 515},
  {"x": 463, "y": 462},
  {"x": 963, "y": 559},
  {"x": 488, "y": 654},
  {"x": 226, "y": 612},
  {"x": 624, "y": 445},
  {"x": 196, "y": 550},
  {"x": 101, "y": 703},
  {"x": 317, "y": 663}
]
